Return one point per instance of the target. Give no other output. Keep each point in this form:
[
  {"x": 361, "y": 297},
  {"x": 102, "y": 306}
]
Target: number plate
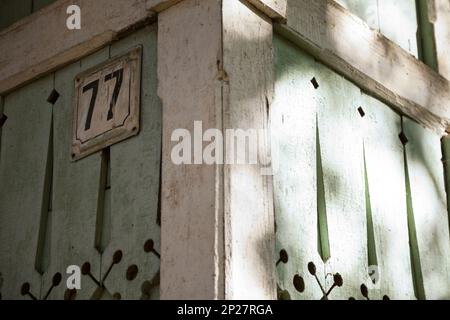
[{"x": 106, "y": 104}]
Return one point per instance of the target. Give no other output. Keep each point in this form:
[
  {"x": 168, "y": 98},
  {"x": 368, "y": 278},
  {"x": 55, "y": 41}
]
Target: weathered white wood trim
[
  {"x": 218, "y": 234},
  {"x": 441, "y": 18},
  {"x": 274, "y": 9},
  {"x": 160, "y": 5},
  {"x": 249, "y": 216},
  {"x": 377, "y": 65},
  {"x": 41, "y": 42},
  {"x": 190, "y": 87}
]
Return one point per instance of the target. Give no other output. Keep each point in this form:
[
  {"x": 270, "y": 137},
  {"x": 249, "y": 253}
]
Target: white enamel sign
[{"x": 106, "y": 107}]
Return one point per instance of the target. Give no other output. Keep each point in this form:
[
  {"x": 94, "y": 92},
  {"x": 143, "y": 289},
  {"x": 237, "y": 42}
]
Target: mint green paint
[
  {"x": 322, "y": 222},
  {"x": 23, "y": 163},
  {"x": 75, "y": 189},
  {"x": 446, "y": 160},
  {"x": 371, "y": 244},
  {"x": 416, "y": 267},
  {"x": 42, "y": 259},
  {"x": 425, "y": 35},
  {"x": 293, "y": 127},
  {"x": 134, "y": 181}
]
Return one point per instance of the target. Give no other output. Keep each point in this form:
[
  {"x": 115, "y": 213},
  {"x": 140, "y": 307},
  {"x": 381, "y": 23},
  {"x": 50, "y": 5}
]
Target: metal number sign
[{"x": 106, "y": 104}]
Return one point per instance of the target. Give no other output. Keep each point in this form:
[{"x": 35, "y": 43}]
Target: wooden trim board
[{"x": 346, "y": 44}]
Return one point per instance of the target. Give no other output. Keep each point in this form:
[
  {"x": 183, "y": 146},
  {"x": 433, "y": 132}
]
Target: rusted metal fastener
[
  {"x": 149, "y": 246},
  {"x": 56, "y": 280},
  {"x": 284, "y": 257}
]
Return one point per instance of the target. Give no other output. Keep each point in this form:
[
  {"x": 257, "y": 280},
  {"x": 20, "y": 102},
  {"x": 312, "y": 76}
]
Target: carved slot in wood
[{"x": 323, "y": 242}]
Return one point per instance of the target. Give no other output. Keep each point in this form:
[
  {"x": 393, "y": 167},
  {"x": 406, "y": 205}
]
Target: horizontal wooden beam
[
  {"x": 41, "y": 42},
  {"x": 274, "y": 9},
  {"x": 346, "y": 44},
  {"x": 160, "y": 5}
]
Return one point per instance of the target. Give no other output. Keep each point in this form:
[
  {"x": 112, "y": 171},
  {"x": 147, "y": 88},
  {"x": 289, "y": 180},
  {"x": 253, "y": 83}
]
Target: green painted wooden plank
[
  {"x": 13, "y": 10},
  {"x": 293, "y": 129},
  {"x": 398, "y": 22},
  {"x": 39, "y": 4},
  {"x": 2, "y": 121},
  {"x": 386, "y": 182},
  {"x": 75, "y": 190},
  {"x": 367, "y": 10},
  {"x": 135, "y": 169},
  {"x": 428, "y": 201},
  {"x": 426, "y": 36},
  {"x": 342, "y": 160},
  {"x": 446, "y": 159},
  {"x": 25, "y": 138}
]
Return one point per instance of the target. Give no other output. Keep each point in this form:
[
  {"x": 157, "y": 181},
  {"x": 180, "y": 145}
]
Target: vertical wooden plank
[
  {"x": 386, "y": 183},
  {"x": 190, "y": 83},
  {"x": 249, "y": 220},
  {"x": 398, "y": 22},
  {"x": 441, "y": 18},
  {"x": 13, "y": 10},
  {"x": 293, "y": 129},
  {"x": 25, "y": 138},
  {"x": 135, "y": 167},
  {"x": 75, "y": 191},
  {"x": 423, "y": 153},
  {"x": 2, "y": 121},
  {"x": 342, "y": 161},
  {"x": 426, "y": 39},
  {"x": 367, "y": 10}
]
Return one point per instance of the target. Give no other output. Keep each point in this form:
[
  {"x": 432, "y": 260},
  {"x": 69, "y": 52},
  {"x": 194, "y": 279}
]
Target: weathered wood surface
[
  {"x": 249, "y": 219},
  {"x": 370, "y": 60},
  {"x": 75, "y": 191},
  {"x": 41, "y": 43},
  {"x": 190, "y": 87},
  {"x": 342, "y": 164},
  {"x": 134, "y": 185},
  {"x": 25, "y": 141},
  {"x": 293, "y": 124},
  {"x": 423, "y": 153},
  {"x": 274, "y": 9},
  {"x": 398, "y": 22},
  {"x": 441, "y": 18},
  {"x": 386, "y": 181}
]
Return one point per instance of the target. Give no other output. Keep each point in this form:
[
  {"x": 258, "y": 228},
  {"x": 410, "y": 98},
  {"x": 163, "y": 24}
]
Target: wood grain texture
[
  {"x": 75, "y": 191},
  {"x": 370, "y": 60},
  {"x": 25, "y": 139},
  {"x": 274, "y": 9},
  {"x": 41, "y": 43},
  {"x": 190, "y": 87},
  {"x": 423, "y": 153},
  {"x": 293, "y": 129},
  {"x": 342, "y": 161},
  {"x": 385, "y": 169},
  {"x": 249, "y": 219},
  {"x": 160, "y": 5},
  {"x": 135, "y": 168},
  {"x": 441, "y": 18}
]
